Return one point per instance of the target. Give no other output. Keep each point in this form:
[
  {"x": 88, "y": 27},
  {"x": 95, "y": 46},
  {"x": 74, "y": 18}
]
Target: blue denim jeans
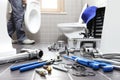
[{"x": 15, "y": 22}]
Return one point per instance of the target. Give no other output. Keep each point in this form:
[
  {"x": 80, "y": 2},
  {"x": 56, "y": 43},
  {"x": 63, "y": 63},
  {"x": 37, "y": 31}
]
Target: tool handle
[
  {"x": 60, "y": 68},
  {"x": 117, "y": 67},
  {"x": 30, "y": 67},
  {"x": 68, "y": 57},
  {"x": 13, "y": 68}
]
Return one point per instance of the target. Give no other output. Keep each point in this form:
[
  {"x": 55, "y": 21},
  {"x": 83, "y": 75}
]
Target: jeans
[{"x": 15, "y": 22}]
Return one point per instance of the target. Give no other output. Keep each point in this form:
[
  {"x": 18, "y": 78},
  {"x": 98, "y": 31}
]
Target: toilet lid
[{"x": 32, "y": 18}]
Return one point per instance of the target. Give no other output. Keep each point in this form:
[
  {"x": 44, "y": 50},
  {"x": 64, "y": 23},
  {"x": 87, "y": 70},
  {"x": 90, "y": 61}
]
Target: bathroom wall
[
  {"x": 98, "y": 3},
  {"x": 49, "y": 32},
  {"x": 110, "y": 42}
]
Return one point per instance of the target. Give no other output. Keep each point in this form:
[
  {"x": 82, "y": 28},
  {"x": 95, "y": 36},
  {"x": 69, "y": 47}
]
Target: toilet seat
[{"x": 32, "y": 16}]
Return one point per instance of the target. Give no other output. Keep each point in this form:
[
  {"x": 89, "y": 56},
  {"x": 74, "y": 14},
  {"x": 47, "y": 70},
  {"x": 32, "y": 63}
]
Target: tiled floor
[{"x": 6, "y": 74}]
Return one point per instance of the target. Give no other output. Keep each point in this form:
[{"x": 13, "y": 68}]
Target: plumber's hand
[{"x": 24, "y": 1}]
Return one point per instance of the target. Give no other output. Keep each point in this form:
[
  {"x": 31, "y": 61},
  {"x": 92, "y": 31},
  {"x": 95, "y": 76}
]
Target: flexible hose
[{"x": 109, "y": 61}]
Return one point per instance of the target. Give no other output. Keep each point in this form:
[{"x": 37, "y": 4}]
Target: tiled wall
[
  {"x": 110, "y": 42},
  {"x": 49, "y": 32},
  {"x": 98, "y": 3}
]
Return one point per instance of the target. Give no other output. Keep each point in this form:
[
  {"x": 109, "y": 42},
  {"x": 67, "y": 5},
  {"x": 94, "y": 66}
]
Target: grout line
[
  {"x": 33, "y": 76},
  {"x": 6, "y": 70},
  {"x": 104, "y": 75},
  {"x": 69, "y": 76}
]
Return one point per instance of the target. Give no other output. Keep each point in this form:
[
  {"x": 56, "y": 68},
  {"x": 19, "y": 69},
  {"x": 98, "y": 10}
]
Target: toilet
[
  {"x": 32, "y": 16},
  {"x": 71, "y": 27},
  {"x": 67, "y": 28}
]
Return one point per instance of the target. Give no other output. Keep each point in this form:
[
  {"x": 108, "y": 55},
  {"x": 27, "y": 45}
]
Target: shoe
[
  {"x": 14, "y": 41},
  {"x": 27, "y": 42}
]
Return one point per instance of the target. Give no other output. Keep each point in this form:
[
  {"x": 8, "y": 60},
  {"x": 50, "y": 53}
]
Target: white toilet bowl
[
  {"x": 33, "y": 16},
  {"x": 71, "y": 27}
]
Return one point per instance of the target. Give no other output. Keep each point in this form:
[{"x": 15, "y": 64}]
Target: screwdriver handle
[
  {"x": 13, "y": 68},
  {"x": 30, "y": 67}
]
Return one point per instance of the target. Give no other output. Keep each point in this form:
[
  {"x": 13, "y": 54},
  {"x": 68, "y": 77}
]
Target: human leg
[
  {"x": 10, "y": 26},
  {"x": 18, "y": 18},
  {"x": 18, "y": 15}
]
